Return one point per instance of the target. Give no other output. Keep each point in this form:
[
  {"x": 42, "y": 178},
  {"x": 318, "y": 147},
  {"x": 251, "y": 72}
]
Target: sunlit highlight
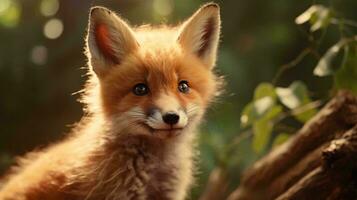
[
  {"x": 53, "y": 28},
  {"x": 49, "y": 7},
  {"x": 39, "y": 55}
]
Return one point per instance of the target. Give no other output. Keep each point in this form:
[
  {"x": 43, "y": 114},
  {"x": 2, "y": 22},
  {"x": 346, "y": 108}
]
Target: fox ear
[
  {"x": 109, "y": 39},
  {"x": 200, "y": 33}
]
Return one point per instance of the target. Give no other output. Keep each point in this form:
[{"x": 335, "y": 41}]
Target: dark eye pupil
[
  {"x": 141, "y": 89},
  {"x": 183, "y": 86}
]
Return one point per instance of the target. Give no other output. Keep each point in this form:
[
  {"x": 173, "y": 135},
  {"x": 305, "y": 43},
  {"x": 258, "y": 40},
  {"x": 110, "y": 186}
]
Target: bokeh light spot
[
  {"x": 4, "y": 5},
  {"x": 10, "y": 12},
  {"x": 49, "y": 7},
  {"x": 163, "y": 7},
  {"x": 53, "y": 28},
  {"x": 39, "y": 55}
]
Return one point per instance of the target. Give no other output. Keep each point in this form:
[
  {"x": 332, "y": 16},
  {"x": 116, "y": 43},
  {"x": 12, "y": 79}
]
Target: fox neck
[{"x": 137, "y": 165}]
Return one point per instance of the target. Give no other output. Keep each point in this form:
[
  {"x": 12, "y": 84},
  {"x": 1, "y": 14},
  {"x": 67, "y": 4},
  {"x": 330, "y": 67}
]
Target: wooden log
[
  {"x": 299, "y": 157},
  {"x": 217, "y": 185},
  {"x": 336, "y": 178}
]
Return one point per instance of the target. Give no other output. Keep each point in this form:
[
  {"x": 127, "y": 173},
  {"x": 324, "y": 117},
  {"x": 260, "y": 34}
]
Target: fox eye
[
  {"x": 183, "y": 86},
  {"x": 140, "y": 89}
]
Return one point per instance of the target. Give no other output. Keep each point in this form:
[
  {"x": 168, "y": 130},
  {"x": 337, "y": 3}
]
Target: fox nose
[{"x": 171, "y": 118}]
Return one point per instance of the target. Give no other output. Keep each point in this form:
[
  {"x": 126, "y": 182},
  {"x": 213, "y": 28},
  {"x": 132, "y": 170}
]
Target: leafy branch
[{"x": 264, "y": 116}]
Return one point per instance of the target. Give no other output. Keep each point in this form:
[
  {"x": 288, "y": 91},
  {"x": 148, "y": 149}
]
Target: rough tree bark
[
  {"x": 217, "y": 185},
  {"x": 318, "y": 162}
]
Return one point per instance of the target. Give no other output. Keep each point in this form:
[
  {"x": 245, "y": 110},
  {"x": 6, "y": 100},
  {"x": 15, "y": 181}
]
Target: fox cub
[{"x": 147, "y": 91}]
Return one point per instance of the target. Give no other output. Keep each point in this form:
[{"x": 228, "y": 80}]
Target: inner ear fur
[
  {"x": 199, "y": 35},
  {"x": 109, "y": 39}
]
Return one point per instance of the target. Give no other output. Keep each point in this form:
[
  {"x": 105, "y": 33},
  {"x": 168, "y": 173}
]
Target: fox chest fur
[{"x": 138, "y": 169}]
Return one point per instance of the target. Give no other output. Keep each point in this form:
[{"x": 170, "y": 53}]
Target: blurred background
[{"x": 42, "y": 64}]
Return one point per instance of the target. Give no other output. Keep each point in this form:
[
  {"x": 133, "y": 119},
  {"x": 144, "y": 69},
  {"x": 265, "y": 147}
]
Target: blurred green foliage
[{"x": 265, "y": 101}]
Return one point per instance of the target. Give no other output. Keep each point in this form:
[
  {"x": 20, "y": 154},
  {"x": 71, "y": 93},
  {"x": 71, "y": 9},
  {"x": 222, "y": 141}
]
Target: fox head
[{"x": 154, "y": 81}]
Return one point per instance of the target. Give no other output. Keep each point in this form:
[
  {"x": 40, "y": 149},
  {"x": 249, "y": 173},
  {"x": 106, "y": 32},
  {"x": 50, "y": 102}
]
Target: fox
[{"x": 147, "y": 91}]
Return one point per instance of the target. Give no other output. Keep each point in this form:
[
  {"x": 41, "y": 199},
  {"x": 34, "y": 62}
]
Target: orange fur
[{"x": 120, "y": 149}]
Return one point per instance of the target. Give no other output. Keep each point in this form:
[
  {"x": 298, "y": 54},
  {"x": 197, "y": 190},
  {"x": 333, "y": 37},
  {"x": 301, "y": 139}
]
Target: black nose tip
[{"x": 171, "y": 118}]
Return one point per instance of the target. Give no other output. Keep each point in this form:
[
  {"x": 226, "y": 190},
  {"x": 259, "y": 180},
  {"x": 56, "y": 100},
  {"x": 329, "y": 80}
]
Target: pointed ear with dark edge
[
  {"x": 109, "y": 39},
  {"x": 200, "y": 33}
]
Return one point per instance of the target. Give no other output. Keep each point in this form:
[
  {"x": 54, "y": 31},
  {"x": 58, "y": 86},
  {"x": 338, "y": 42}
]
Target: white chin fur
[{"x": 135, "y": 121}]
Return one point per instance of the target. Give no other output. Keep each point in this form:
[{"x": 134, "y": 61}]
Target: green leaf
[
  {"x": 262, "y": 132},
  {"x": 280, "y": 139},
  {"x": 324, "y": 66},
  {"x": 256, "y": 110},
  {"x": 262, "y": 105},
  {"x": 264, "y": 90},
  {"x": 264, "y": 100},
  {"x": 306, "y": 15},
  {"x": 273, "y": 112},
  {"x": 319, "y": 17},
  {"x": 306, "y": 115},
  {"x": 346, "y": 76},
  {"x": 248, "y": 115},
  {"x": 295, "y": 96}
]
